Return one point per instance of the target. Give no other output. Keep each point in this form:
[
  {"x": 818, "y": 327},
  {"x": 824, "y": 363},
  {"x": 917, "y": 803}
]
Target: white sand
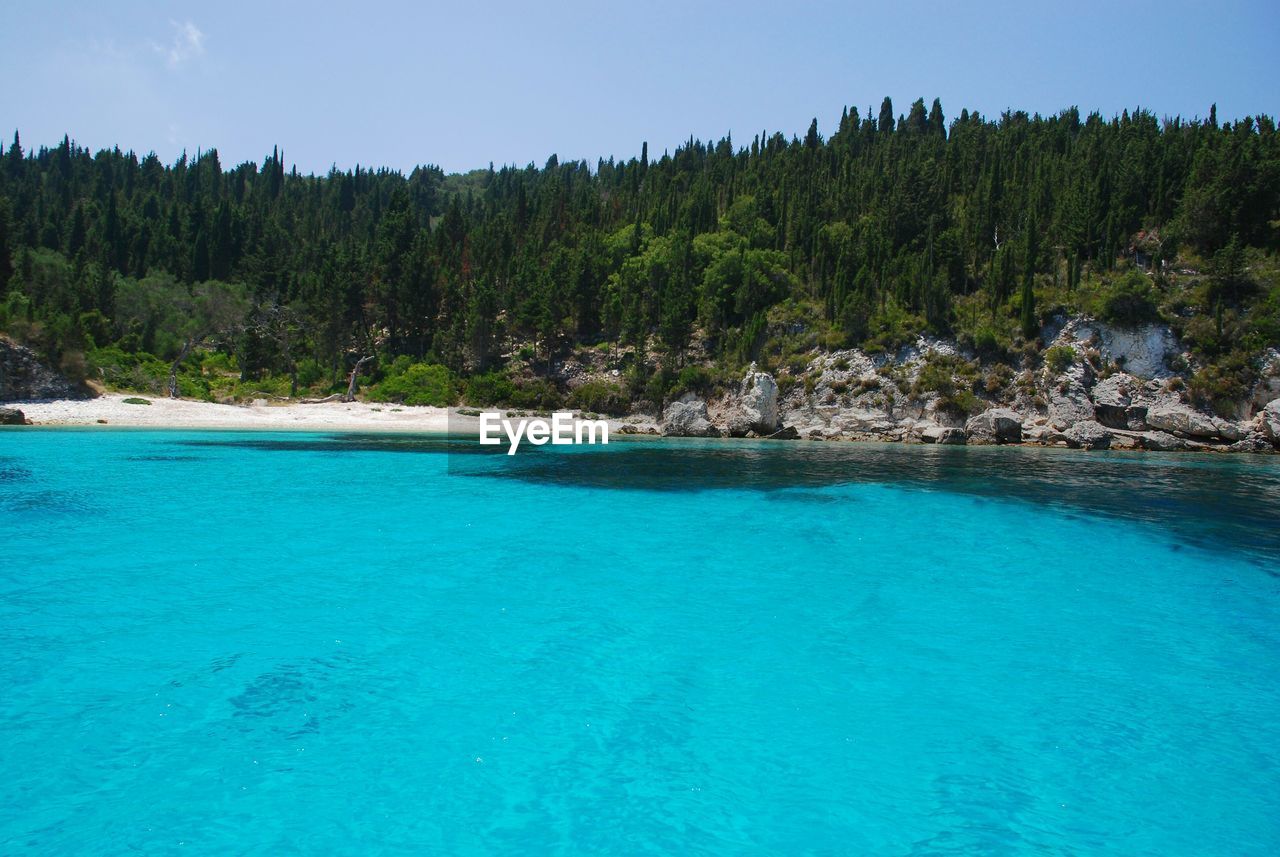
[{"x": 183, "y": 413}]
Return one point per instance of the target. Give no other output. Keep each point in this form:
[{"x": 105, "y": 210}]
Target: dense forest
[{"x": 257, "y": 278}]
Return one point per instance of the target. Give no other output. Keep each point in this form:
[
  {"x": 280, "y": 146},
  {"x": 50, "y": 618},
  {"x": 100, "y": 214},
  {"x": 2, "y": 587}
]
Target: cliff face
[
  {"x": 1095, "y": 386},
  {"x": 24, "y": 378}
]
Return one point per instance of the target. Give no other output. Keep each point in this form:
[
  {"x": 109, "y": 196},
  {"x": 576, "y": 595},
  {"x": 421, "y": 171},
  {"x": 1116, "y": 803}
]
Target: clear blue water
[{"x": 264, "y": 644}]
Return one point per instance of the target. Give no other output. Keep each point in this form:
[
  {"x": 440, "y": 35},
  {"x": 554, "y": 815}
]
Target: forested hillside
[{"x": 256, "y": 278}]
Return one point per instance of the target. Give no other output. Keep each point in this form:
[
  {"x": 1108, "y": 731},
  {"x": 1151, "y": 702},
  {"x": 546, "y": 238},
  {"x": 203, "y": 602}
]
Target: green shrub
[
  {"x": 537, "y": 394},
  {"x": 223, "y": 387},
  {"x": 1221, "y": 385},
  {"x": 1130, "y": 300},
  {"x": 661, "y": 384},
  {"x": 938, "y": 374},
  {"x": 416, "y": 384},
  {"x": 996, "y": 378},
  {"x": 133, "y": 400},
  {"x": 217, "y": 362},
  {"x": 866, "y": 385},
  {"x": 797, "y": 363},
  {"x": 934, "y": 377},
  {"x": 892, "y": 328},
  {"x": 961, "y": 403},
  {"x": 122, "y": 370},
  {"x": 493, "y": 388},
  {"x": 692, "y": 379},
  {"x": 991, "y": 343},
  {"x": 194, "y": 387},
  {"x": 601, "y": 397},
  {"x": 1059, "y": 358},
  {"x": 310, "y": 373}
]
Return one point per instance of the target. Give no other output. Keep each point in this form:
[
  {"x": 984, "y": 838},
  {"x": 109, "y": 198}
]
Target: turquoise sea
[{"x": 232, "y": 643}]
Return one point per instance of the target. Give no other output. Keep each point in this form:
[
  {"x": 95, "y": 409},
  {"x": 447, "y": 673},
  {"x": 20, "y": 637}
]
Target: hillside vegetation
[{"x": 652, "y": 276}]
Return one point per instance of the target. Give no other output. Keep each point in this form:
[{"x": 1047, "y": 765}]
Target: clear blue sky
[{"x": 462, "y": 84}]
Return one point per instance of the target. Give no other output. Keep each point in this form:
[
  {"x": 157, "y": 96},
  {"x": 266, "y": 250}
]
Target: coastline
[{"x": 111, "y": 410}]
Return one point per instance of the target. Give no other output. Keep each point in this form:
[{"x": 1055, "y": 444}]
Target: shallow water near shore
[{"x": 337, "y": 643}]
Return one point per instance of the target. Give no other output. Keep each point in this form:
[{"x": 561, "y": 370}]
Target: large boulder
[
  {"x": 1267, "y": 388},
  {"x": 1088, "y": 435},
  {"x": 1118, "y": 402},
  {"x": 945, "y": 435},
  {"x": 1068, "y": 396},
  {"x": 997, "y": 425},
  {"x": 687, "y": 417},
  {"x": 1159, "y": 441},
  {"x": 1254, "y": 441},
  {"x": 1068, "y": 404},
  {"x": 784, "y": 433},
  {"x": 1269, "y": 421},
  {"x": 12, "y": 417},
  {"x": 755, "y": 407},
  {"x": 1186, "y": 422},
  {"x": 864, "y": 423}
]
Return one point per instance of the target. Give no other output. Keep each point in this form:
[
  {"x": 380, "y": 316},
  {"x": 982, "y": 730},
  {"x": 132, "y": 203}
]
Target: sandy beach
[{"x": 111, "y": 409}]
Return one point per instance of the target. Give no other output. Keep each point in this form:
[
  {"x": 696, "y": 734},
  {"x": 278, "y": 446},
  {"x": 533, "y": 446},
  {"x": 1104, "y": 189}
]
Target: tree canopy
[{"x": 889, "y": 215}]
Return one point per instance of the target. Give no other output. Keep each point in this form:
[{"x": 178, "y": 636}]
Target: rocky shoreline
[
  {"x": 1093, "y": 386},
  {"x": 1111, "y": 389}
]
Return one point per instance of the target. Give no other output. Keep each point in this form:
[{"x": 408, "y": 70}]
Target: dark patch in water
[
  {"x": 1211, "y": 502},
  {"x": 220, "y": 664},
  {"x": 802, "y": 497},
  {"x": 13, "y": 473},
  {"x": 292, "y": 699},
  {"x": 164, "y": 458},
  {"x": 348, "y": 443},
  {"x": 274, "y": 693},
  {"x": 51, "y": 502}
]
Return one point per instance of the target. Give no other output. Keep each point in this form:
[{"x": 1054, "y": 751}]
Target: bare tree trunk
[
  {"x": 355, "y": 376},
  {"x": 173, "y": 369}
]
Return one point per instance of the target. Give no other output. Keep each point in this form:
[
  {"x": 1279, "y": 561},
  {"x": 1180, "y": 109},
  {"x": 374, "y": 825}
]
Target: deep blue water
[{"x": 278, "y": 643}]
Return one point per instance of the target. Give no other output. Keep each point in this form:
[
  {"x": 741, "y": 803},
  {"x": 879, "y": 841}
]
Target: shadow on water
[{"x": 1214, "y": 501}]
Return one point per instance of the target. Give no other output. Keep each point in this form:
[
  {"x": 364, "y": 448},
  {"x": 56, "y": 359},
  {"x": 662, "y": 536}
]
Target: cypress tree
[
  {"x": 1030, "y": 327},
  {"x": 886, "y": 116},
  {"x": 200, "y": 258},
  {"x": 937, "y": 124}
]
